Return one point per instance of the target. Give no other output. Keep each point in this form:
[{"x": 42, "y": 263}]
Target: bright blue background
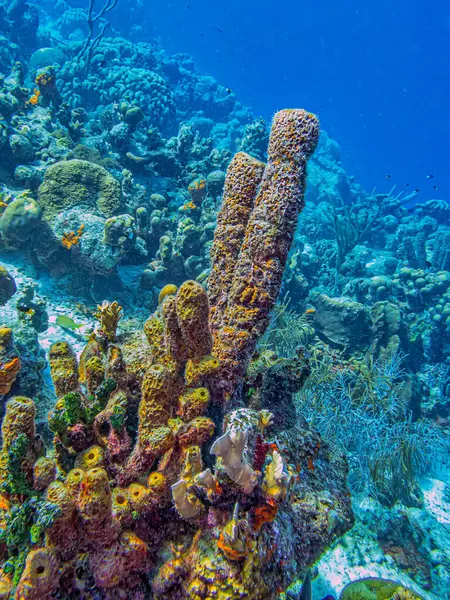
[{"x": 377, "y": 73}]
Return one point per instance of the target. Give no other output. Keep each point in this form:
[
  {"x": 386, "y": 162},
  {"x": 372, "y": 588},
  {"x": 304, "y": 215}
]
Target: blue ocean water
[
  {"x": 224, "y": 300},
  {"x": 376, "y": 74}
]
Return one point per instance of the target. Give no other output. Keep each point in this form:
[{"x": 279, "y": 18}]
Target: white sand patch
[{"x": 433, "y": 491}]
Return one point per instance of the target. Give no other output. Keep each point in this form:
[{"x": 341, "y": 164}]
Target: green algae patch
[
  {"x": 81, "y": 184},
  {"x": 374, "y": 588}
]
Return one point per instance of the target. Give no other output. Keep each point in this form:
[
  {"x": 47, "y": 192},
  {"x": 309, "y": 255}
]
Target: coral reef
[
  {"x": 227, "y": 511},
  {"x": 130, "y": 445},
  {"x": 132, "y": 150},
  {"x": 117, "y": 161}
]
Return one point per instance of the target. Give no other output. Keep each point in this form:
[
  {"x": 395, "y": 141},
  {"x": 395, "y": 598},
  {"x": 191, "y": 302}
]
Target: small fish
[
  {"x": 429, "y": 177},
  {"x": 229, "y": 91},
  {"x": 435, "y": 187},
  {"x": 407, "y": 184},
  {"x": 417, "y": 190},
  {"x": 388, "y": 176},
  {"x": 67, "y": 323}
]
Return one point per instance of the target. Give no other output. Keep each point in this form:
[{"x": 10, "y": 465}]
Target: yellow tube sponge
[
  {"x": 63, "y": 368},
  {"x": 195, "y": 433},
  {"x": 94, "y": 497},
  {"x": 128, "y": 555},
  {"x": 243, "y": 177},
  {"x": 158, "y": 400},
  {"x": 8, "y": 373},
  {"x": 156, "y": 484},
  {"x": 44, "y": 472},
  {"x": 92, "y": 348},
  {"x": 92, "y": 457},
  {"x": 264, "y": 250},
  {"x": 199, "y": 372},
  {"x": 139, "y": 498},
  {"x": 62, "y": 534},
  {"x": 10, "y": 363},
  {"x": 40, "y": 576},
  {"x": 6, "y": 584},
  {"x": 154, "y": 332},
  {"x": 19, "y": 419},
  {"x": 193, "y": 313},
  {"x": 174, "y": 342},
  {"x": 59, "y": 494},
  {"x": 168, "y": 290},
  {"x": 94, "y": 371},
  {"x": 193, "y": 403},
  {"x": 121, "y": 505},
  {"x": 74, "y": 482}
]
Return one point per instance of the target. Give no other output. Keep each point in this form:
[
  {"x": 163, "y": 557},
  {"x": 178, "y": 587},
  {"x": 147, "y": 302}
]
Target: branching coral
[
  {"x": 350, "y": 225},
  {"x": 91, "y": 43},
  {"x": 109, "y": 315},
  {"x": 288, "y": 331},
  {"x": 70, "y": 238},
  {"x": 361, "y": 407}
]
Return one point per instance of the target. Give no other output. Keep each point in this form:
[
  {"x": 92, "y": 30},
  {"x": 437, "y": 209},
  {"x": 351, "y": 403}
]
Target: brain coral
[
  {"x": 45, "y": 57},
  {"x": 121, "y": 82},
  {"x": 81, "y": 184},
  {"x": 19, "y": 219}
]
